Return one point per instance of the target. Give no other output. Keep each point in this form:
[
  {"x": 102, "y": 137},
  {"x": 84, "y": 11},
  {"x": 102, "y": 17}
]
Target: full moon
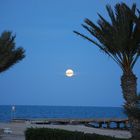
[{"x": 69, "y": 73}]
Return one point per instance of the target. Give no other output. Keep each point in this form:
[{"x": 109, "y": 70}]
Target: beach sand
[{"x": 18, "y": 130}]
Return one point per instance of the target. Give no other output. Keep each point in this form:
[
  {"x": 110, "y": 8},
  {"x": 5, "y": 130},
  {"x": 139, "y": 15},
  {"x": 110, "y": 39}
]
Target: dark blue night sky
[{"x": 45, "y": 29}]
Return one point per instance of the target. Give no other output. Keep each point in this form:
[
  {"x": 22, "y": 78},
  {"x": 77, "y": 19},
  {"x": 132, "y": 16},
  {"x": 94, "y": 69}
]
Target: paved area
[{"x": 18, "y": 130}]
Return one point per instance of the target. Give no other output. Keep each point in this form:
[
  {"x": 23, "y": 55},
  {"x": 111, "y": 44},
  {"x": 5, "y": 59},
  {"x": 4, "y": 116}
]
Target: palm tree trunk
[{"x": 129, "y": 89}]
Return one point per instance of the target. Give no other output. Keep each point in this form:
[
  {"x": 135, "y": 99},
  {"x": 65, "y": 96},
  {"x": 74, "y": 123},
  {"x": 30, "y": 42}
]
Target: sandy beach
[{"x": 18, "y": 130}]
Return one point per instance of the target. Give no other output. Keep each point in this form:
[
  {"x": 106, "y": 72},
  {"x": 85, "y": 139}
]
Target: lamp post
[{"x": 13, "y": 112}]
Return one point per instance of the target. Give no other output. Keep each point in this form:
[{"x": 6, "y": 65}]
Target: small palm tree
[
  {"x": 9, "y": 54},
  {"x": 120, "y": 39}
]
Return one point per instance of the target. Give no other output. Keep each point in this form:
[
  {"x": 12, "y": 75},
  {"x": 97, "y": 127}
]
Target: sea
[{"x": 7, "y": 112}]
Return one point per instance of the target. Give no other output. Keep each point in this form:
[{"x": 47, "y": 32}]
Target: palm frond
[
  {"x": 9, "y": 54},
  {"x": 119, "y": 39}
]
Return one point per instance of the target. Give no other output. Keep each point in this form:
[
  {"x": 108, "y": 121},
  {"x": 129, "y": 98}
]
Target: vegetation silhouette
[
  {"x": 119, "y": 38},
  {"x": 9, "y": 54}
]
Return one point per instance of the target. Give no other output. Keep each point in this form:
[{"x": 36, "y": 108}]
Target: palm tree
[
  {"x": 120, "y": 39},
  {"x": 9, "y": 54}
]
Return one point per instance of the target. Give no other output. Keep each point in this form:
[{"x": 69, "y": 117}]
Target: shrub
[{"x": 57, "y": 134}]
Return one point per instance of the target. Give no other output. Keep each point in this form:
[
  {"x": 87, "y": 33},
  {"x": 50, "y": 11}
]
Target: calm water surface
[{"x": 33, "y": 112}]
